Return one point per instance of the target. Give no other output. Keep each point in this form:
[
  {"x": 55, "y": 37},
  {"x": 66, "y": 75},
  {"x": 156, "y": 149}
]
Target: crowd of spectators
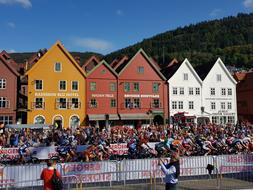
[{"x": 188, "y": 139}]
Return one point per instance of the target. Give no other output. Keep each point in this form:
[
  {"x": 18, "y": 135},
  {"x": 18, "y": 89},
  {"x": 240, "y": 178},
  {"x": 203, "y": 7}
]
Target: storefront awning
[
  {"x": 135, "y": 116},
  {"x": 95, "y": 117}
]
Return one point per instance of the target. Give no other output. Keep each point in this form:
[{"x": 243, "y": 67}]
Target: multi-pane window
[
  {"x": 140, "y": 69},
  {"x": 136, "y": 87},
  {"x": 39, "y": 103},
  {"x": 174, "y": 105},
  {"x": 229, "y": 105},
  {"x": 230, "y": 91},
  {"x": 185, "y": 76},
  {"x": 223, "y": 91},
  {"x": 197, "y": 91},
  {"x": 180, "y": 105},
  {"x": 213, "y": 106},
  {"x": 191, "y": 105},
  {"x": 215, "y": 119},
  {"x": 156, "y": 103},
  {"x": 2, "y": 83},
  {"x": 136, "y": 103},
  {"x": 74, "y": 103},
  {"x": 155, "y": 87},
  {"x": 75, "y": 85},
  {"x": 222, "y": 105},
  {"x": 212, "y": 91},
  {"x": 93, "y": 103},
  {"x": 181, "y": 90},
  {"x": 174, "y": 90},
  {"x": 126, "y": 86},
  {"x": 62, "y": 103},
  {"x": 128, "y": 103},
  {"x": 113, "y": 103},
  {"x": 231, "y": 119},
  {"x": 38, "y": 84},
  {"x": 62, "y": 85},
  {"x": 6, "y": 120},
  {"x": 190, "y": 91},
  {"x": 113, "y": 86},
  {"x": 218, "y": 77},
  {"x": 3, "y": 102},
  {"x": 57, "y": 67},
  {"x": 93, "y": 86}
]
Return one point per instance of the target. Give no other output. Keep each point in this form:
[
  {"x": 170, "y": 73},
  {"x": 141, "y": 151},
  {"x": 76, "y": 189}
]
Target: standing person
[
  {"x": 171, "y": 171},
  {"x": 47, "y": 175}
]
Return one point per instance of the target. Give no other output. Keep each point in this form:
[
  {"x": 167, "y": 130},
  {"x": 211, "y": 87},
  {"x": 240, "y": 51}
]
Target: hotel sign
[
  {"x": 54, "y": 94},
  {"x": 141, "y": 95}
]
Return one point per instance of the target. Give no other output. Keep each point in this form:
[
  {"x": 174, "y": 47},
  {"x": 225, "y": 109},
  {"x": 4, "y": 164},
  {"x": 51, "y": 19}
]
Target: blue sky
[{"x": 101, "y": 25}]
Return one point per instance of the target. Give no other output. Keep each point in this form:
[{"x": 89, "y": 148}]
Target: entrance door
[
  {"x": 58, "y": 122},
  {"x": 158, "y": 120}
]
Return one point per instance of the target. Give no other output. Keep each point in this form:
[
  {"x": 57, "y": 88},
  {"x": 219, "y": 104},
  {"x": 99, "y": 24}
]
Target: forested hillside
[{"x": 230, "y": 38}]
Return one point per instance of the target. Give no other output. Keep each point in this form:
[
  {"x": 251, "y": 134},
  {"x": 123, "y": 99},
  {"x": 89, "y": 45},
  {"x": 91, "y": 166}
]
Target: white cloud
[
  {"x": 11, "y": 51},
  {"x": 215, "y": 12},
  {"x": 23, "y": 3},
  {"x": 11, "y": 24},
  {"x": 248, "y": 3},
  {"x": 119, "y": 12},
  {"x": 92, "y": 44}
]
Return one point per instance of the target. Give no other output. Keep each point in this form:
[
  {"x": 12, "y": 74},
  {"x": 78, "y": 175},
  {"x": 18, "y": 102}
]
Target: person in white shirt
[{"x": 171, "y": 171}]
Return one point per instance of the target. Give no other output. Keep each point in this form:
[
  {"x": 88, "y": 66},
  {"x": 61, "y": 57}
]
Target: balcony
[
  {"x": 38, "y": 105},
  {"x": 4, "y": 104}
]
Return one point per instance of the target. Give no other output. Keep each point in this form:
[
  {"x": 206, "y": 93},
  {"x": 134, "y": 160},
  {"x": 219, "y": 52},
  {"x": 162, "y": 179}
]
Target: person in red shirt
[{"x": 47, "y": 175}]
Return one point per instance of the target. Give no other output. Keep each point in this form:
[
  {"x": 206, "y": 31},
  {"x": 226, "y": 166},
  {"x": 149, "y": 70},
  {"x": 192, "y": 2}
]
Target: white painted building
[
  {"x": 219, "y": 95},
  {"x": 184, "y": 90}
]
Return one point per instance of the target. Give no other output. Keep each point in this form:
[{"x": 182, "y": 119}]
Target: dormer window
[{"x": 57, "y": 67}]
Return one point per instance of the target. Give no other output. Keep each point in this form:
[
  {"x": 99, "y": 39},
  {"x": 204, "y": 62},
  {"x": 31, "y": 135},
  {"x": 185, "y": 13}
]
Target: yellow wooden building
[{"x": 56, "y": 90}]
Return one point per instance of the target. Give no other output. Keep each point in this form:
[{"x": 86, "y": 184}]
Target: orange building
[{"x": 56, "y": 89}]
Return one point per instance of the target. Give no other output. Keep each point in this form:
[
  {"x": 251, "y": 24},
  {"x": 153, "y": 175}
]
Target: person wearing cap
[{"x": 171, "y": 171}]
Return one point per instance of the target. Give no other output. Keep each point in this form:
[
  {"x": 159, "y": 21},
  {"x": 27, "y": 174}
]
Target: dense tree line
[{"x": 230, "y": 38}]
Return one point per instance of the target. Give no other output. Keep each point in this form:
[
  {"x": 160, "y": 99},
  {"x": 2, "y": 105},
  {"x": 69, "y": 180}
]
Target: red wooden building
[
  {"x": 8, "y": 89},
  {"x": 142, "y": 91},
  {"x": 102, "y": 95}
]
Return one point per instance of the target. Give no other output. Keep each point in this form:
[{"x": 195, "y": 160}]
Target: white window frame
[
  {"x": 55, "y": 67},
  {"x": 229, "y": 105},
  {"x": 197, "y": 91},
  {"x": 191, "y": 92},
  {"x": 2, "y": 83},
  {"x": 191, "y": 105},
  {"x": 211, "y": 91},
  {"x": 180, "y": 105},
  {"x": 174, "y": 90},
  {"x": 222, "y": 105},
  {"x": 60, "y": 85},
  {"x": 185, "y": 77},
  {"x": 181, "y": 91},
  {"x": 174, "y": 105},
  {"x": 230, "y": 92},
  {"x": 213, "y": 105},
  {"x": 41, "y": 105},
  {"x": 218, "y": 77},
  {"x": 223, "y": 91},
  {"x": 58, "y": 104},
  {"x": 35, "y": 86},
  {"x": 77, "y": 85}
]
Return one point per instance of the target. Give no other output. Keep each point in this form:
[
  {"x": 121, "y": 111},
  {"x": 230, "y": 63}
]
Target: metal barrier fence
[{"x": 229, "y": 169}]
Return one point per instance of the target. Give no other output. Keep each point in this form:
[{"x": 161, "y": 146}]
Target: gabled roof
[
  {"x": 219, "y": 61},
  {"x": 62, "y": 48},
  {"x": 141, "y": 51},
  {"x": 103, "y": 62},
  {"x": 8, "y": 64},
  {"x": 171, "y": 69},
  {"x": 93, "y": 58},
  {"x": 176, "y": 65},
  {"x": 124, "y": 59}
]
